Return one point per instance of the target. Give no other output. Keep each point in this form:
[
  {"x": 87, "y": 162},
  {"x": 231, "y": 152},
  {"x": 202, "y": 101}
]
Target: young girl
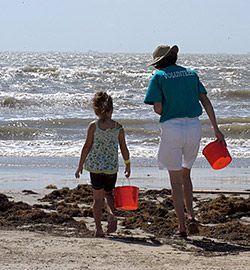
[{"x": 99, "y": 156}]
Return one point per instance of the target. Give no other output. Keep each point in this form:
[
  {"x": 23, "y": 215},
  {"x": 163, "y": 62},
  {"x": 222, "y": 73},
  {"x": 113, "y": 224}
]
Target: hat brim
[{"x": 173, "y": 49}]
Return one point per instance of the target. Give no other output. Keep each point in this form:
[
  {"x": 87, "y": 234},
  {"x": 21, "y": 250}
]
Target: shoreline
[{"x": 37, "y": 178}]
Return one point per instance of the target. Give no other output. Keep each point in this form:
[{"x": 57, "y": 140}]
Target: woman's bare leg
[
  {"x": 178, "y": 197},
  {"x": 188, "y": 191}
]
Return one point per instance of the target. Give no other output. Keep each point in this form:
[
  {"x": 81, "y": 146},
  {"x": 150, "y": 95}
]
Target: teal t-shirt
[{"x": 178, "y": 89}]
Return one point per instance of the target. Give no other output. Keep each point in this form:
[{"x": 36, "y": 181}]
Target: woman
[{"x": 175, "y": 93}]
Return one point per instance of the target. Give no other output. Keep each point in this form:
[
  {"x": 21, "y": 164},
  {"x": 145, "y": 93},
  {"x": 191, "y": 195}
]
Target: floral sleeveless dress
[{"x": 103, "y": 156}]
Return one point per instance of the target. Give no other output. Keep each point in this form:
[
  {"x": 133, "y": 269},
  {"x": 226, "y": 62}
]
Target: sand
[
  {"x": 57, "y": 233},
  {"x": 29, "y": 250}
]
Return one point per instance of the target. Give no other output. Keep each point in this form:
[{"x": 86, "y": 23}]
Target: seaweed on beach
[
  {"x": 80, "y": 194},
  {"x": 74, "y": 202},
  {"x": 223, "y": 217},
  {"x": 154, "y": 194},
  {"x": 219, "y": 218},
  {"x": 223, "y": 209},
  {"x": 20, "y": 214},
  {"x": 153, "y": 217},
  {"x": 232, "y": 231}
]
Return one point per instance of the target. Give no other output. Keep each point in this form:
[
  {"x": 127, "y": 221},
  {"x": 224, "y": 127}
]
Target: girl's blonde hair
[{"x": 102, "y": 104}]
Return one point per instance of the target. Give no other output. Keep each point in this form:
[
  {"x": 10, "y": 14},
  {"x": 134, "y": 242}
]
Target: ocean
[{"x": 45, "y": 104}]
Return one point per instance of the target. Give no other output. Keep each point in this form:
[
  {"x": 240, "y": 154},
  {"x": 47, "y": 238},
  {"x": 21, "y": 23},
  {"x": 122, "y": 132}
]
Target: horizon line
[{"x": 118, "y": 52}]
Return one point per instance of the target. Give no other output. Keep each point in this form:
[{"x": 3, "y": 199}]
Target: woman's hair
[
  {"x": 167, "y": 61},
  {"x": 102, "y": 104}
]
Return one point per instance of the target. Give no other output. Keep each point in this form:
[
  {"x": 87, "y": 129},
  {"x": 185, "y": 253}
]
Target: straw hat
[{"x": 162, "y": 51}]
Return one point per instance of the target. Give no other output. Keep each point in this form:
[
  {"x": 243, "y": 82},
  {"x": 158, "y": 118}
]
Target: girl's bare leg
[
  {"x": 178, "y": 197},
  {"x": 110, "y": 202},
  {"x": 98, "y": 205},
  {"x": 112, "y": 221}
]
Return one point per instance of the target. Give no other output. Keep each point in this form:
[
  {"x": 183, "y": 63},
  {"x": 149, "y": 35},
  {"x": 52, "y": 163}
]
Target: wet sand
[
  {"x": 36, "y": 178},
  {"x": 54, "y": 228}
]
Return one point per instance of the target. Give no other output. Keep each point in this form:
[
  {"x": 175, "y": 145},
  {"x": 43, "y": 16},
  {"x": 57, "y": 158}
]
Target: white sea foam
[{"x": 68, "y": 148}]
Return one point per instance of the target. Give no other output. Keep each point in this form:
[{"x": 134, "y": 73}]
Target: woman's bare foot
[
  {"x": 99, "y": 233},
  {"x": 193, "y": 227}
]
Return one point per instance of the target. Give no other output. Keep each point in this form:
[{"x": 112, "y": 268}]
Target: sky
[{"x": 133, "y": 26}]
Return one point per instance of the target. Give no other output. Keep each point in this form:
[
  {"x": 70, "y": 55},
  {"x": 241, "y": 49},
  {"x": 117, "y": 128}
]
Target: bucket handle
[
  {"x": 223, "y": 142},
  {"x": 124, "y": 180}
]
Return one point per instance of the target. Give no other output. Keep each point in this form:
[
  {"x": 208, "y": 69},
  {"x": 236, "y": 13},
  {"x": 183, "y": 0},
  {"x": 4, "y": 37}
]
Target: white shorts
[{"x": 179, "y": 144}]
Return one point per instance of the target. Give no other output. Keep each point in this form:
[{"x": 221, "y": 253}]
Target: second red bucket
[
  {"x": 126, "y": 197},
  {"x": 217, "y": 155}
]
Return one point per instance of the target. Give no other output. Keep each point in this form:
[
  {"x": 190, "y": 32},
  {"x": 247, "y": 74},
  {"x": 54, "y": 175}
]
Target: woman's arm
[
  {"x": 86, "y": 148},
  {"x": 124, "y": 151},
  {"x": 211, "y": 115}
]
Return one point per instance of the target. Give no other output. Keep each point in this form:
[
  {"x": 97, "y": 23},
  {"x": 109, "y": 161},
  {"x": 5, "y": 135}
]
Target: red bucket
[
  {"x": 126, "y": 197},
  {"x": 217, "y": 155}
]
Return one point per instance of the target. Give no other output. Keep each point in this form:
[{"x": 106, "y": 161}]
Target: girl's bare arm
[
  {"x": 124, "y": 151},
  {"x": 86, "y": 148}
]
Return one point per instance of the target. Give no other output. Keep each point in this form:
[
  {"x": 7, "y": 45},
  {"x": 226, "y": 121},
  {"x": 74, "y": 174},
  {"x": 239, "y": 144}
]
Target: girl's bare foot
[{"x": 112, "y": 225}]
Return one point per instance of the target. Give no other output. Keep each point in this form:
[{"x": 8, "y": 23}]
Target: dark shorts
[{"x": 103, "y": 181}]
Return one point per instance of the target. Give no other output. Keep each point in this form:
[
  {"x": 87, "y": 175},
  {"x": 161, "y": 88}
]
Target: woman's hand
[
  {"x": 158, "y": 108},
  {"x": 219, "y": 135}
]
